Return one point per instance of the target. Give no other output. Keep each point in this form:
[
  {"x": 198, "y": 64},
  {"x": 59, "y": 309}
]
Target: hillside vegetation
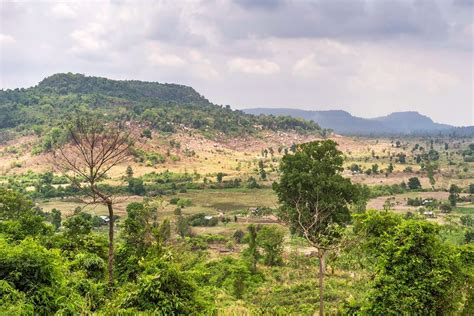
[
  {"x": 209, "y": 211},
  {"x": 161, "y": 106}
]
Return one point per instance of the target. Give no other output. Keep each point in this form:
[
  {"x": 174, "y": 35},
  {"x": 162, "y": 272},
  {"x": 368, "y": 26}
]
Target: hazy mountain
[{"x": 343, "y": 122}]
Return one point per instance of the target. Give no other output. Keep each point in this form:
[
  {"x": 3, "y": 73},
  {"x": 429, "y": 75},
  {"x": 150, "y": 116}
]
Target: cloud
[
  {"x": 253, "y": 66},
  {"x": 89, "y": 41},
  {"x": 202, "y": 66},
  {"x": 63, "y": 11},
  {"x": 158, "y": 58},
  {"x": 368, "y": 57},
  {"x": 308, "y": 67},
  {"x": 6, "y": 39},
  {"x": 259, "y": 4}
]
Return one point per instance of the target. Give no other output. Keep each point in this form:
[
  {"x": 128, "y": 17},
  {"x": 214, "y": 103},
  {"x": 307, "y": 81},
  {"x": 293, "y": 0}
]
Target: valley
[{"x": 204, "y": 174}]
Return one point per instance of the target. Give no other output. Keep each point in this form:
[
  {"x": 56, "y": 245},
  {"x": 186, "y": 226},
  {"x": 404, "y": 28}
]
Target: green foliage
[
  {"x": 467, "y": 220},
  {"x": 270, "y": 238},
  {"x": 78, "y": 225},
  {"x": 201, "y": 219},
  {"x": 454, "y": 191},
  {"x": 93, "y": 265},
  {"x": 311, "y": 187},
  {"x": 139, "y": 228},
  {"x": 414, "y": 183},
  {"x": 162, "y": 289},
  {"x": 13, "y": 204},
  {"x": 56, "y": 218},
  {"x": 135, "y": 186},
  {"x": 35, "y": 276},
  {"x": 231, "y": 274},
  {"x": 182, "y": 226},
  {"x": 252, "y": 252},
  {"x": 415, "y": 272},
  {"x": 160, "y": 106}
]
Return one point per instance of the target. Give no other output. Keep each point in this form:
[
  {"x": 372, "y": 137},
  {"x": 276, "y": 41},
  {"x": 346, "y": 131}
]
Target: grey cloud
[
  {"x": 260, "y": 4},
  {"x": 350, "y": 19}
]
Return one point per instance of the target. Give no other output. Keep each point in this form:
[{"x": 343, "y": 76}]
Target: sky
[{"x": 368, "y": 57}]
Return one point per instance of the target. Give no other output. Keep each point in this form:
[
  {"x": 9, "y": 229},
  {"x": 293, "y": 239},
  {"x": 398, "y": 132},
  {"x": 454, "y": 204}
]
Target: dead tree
[{"x": 93, "y": 148}]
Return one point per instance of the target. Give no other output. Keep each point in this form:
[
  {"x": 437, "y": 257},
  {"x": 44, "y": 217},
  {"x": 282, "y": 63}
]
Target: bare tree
[{"x": 93, "y": 149}]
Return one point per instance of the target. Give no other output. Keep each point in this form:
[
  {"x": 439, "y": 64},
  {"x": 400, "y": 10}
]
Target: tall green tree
[
  {"x": 252, "y": 250},
  {"x": 270, "y": 238},
  {"x": 315, "y": 198},
  {"x": 454, "y": 191}
]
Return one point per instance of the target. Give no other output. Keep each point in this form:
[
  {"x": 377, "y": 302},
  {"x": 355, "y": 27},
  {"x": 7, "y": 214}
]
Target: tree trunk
[
  {"x": 321, "y": 281},
  {"x": 111, "y": 244}
]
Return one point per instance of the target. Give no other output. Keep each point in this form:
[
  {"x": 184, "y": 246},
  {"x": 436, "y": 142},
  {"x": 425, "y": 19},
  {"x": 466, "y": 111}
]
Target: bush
[
  {"x": 93, "y": 265},
  {"x": 414, "y": 183},
  {"x": 202, "y": 219},
  {"x": 163, "y": 290}
]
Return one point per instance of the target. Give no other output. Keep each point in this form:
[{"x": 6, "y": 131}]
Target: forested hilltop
[{"x": 162, "y": 106}]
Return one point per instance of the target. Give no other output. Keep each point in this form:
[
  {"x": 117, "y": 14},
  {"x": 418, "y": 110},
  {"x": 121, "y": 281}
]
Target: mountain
[
  {"x": 343, "y": 122},
  {"x": 164, "y": 107}
]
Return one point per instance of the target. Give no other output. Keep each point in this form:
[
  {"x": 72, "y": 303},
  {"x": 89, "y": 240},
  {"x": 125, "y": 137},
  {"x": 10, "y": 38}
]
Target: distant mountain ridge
[{"x": 343, "y": 122}]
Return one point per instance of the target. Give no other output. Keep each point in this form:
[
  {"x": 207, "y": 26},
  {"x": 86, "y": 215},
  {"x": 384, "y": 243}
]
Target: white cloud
[
  {"x": 388, "y": 74},
  {"x": 167, "y": 60},
  {"x": 308, "y": 67},
  {"x": 6, "y": 39},
  {"x": 253, "y": 66},
  {"x": 89, "y": 40},
  {"x": 63, "y": 11},
  {"x": 202, "y": 67}
]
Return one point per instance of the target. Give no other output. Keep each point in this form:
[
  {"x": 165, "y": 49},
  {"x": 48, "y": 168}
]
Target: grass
[{"x": 465, "y": 209}]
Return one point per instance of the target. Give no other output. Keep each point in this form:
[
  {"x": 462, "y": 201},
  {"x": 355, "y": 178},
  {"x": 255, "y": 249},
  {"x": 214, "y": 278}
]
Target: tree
[
  {"x": 454, "y": 191},
  {"x": 30, "y": 269},
  {"x": 375, "y": 168},
  {"x": 414, "y": 183},
  {"x": 416, "y": 274},
  {"x": 390, "y": 168},
  {"x": 13, "y": 204},
  {"x": 467, "y": 220},
  {"x": 389, "y": 204},
  {"x": 219, "y": 177},
  {"x": 252, "y": 251},
  {"x": 261, "y": 168},
  {"x": 95, "y": 147},
  {"x": 270, "y": 238},
  {"x": 314, "y": 197},
  {"x": 165, "y": 230},
  {"x": 146, "y": 133},
  {"x": 182, "y": 226},
  {"x": 445, "y": 207},
  {"x": 136, "y": 186},
  {"x": 78, "y": 225},
  {"x": 238, "y": 236},
  {"x": 56, "y": 218},
  {"x": 138, "y": 227},
  {"x": 129, "y": 172}
]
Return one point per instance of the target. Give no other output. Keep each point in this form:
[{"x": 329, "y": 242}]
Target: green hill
[{"x": 161, "y": 106}]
